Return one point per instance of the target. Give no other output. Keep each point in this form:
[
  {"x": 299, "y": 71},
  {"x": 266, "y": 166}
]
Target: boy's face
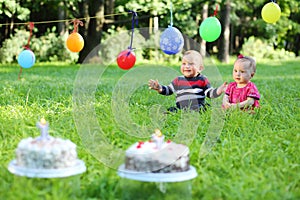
[{"x": 190, "y": 67}]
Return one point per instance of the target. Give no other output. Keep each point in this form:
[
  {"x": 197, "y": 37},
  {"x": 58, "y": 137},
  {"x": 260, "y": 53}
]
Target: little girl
[{"x": 242, "y": 93}]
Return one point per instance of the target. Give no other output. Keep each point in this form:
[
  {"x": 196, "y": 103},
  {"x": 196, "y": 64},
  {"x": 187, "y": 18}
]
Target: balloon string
[
  {"x": 31, "y": 26},
  {"x": 134, "y": 14},
  {"x": 19, "y": 76},
  {"x": 171, "y": 13},
  {"x": 27, "y": 46},
  {"x": 216, "y": 11},
  {"x": 76, "y": 22}
]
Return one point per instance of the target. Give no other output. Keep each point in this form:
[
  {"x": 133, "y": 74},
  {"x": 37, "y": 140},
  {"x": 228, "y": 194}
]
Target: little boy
[{"x": 192, "y": 87}]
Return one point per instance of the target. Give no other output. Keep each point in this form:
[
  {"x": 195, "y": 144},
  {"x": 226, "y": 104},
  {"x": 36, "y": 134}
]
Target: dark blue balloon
[
  {"x": 26, "y": 59},
  {"x": 171, "y": 41}
]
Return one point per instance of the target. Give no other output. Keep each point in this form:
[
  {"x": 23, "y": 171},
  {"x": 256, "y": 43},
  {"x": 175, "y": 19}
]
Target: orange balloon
[{"x": 75, "y": 42}]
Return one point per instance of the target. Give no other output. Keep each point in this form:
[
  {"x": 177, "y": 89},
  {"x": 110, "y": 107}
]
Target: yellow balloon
[
  {"x": 75, "y": 42},
  {"x": 271, "y": 12}
]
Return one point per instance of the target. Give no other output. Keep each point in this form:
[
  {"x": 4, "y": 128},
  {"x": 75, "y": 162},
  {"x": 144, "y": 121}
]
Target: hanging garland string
[
  {"x": 92, "y": 17},
  {"x": 85, "y": 18},
  {"x": 68, "y": 20},
  {"x": 59, "y": 21}
]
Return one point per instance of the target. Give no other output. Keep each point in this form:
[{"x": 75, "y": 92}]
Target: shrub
[
  {"x": 13, "y": 46},
  {"x": 146, "y": 45},
  {"x": 48, "y": 47},
  {"x": 114, "y": 42},
  {"x": 261, "y": 49}
]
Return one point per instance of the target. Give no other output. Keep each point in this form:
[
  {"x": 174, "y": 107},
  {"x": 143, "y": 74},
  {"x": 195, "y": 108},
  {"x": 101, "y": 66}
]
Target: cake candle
[
  {"x": 158, "y": 138},
  {"x": 44, "y": 127}
]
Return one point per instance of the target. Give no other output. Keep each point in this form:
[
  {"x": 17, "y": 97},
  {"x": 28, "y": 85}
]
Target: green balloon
[{"x": 210, "y": 29}]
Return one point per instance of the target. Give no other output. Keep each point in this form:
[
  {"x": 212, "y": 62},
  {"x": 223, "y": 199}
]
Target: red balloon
[{"x": 126, "y": 59}]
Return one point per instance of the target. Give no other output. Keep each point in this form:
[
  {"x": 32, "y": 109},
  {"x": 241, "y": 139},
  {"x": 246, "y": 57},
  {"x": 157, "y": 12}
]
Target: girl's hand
[{"x": 227, "y": 105}]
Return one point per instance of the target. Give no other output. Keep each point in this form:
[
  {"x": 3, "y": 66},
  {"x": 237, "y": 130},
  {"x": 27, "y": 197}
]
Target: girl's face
[
  {"x": 190, "y": 67},
  {"x": 241, "y": 73}
]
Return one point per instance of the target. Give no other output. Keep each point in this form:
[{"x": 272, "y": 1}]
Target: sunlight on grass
[{"x": 255, "y": 157}]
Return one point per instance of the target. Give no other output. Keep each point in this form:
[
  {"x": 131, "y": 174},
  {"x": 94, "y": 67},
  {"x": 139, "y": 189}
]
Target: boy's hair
[
  {"x": 250, "y": 61},
  {"x": 196, "y": 55}
]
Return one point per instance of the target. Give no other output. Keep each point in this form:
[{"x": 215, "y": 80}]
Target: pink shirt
[{"x": 237, "y": 95}]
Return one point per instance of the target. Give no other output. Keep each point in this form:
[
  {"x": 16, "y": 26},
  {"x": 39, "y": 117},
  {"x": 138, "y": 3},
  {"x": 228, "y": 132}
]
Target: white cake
[
  {"x": 157, "y": 156},
  {"x": 52, "y": 153},
  {"x": 46, "y": 152}
]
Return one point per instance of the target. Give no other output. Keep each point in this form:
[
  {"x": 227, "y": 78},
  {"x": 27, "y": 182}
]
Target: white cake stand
[
  {"x": 157, "y": 177},
  {"x": 47, "y": 173}
]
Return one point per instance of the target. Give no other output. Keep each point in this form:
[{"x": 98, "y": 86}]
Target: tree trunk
[
  {"x": 109, "y": 11},
  {"x": 94, "y": 25},
  {"x": 61, "y": 16},
  {"x": 203, "y": 42},
  {"x": 232, "y": 41},
  {"x": 155, "y": 21},
  {"x": 225, "y": 37},
  {"x": 109, "y": 8}
]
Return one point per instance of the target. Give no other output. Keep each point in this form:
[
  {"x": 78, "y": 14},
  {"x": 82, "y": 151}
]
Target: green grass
[{"x": 256, "y": 156}]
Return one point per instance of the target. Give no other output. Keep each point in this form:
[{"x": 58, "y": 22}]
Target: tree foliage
[{"x": 245, "y": 19}]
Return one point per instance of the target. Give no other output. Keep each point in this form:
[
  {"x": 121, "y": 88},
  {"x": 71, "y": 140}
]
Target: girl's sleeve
[
  {"x": 253, "y": 92},
  {"x": 227, "y": 91}
]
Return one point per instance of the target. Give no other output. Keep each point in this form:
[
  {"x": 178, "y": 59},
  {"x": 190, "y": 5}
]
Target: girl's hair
[
  {"x": 196, "y": 56},
  {"x": 249, "y": 60}
]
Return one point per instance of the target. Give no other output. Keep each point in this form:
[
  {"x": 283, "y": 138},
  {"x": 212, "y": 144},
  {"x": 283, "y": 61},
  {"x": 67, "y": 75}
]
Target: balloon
[
  {"x": 26, "y": 59},
  {"x": 210, "y": 29},
  {"x": 75, "y": 42},
  {"x": 126, "y": 59},
  {"x": 271, "y": 12},
  {"x": 171, "y": 41}
]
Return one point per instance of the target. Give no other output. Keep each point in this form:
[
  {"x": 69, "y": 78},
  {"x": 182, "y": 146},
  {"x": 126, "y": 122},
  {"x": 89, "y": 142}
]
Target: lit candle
[
  {"x": 158, "y": 138},
  {"x": 43, "y": 126}
]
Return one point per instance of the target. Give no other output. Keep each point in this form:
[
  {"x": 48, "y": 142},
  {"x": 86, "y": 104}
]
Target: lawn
[{"x": 237, "y": 155}]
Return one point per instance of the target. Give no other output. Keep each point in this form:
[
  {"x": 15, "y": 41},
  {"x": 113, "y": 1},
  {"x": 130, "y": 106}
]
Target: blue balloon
[
  {"x": 26, "y": 59},
  {"x": 171, "y": 41}
]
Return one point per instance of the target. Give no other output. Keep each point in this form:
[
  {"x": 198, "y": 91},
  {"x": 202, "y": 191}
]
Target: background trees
[{"x": 240, "y": 21}]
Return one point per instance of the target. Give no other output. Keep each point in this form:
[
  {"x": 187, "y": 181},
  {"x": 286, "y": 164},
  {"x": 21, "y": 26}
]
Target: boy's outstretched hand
[
  {"x": 154, "y": 85},
  {"x": 222, "y": 88}
]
